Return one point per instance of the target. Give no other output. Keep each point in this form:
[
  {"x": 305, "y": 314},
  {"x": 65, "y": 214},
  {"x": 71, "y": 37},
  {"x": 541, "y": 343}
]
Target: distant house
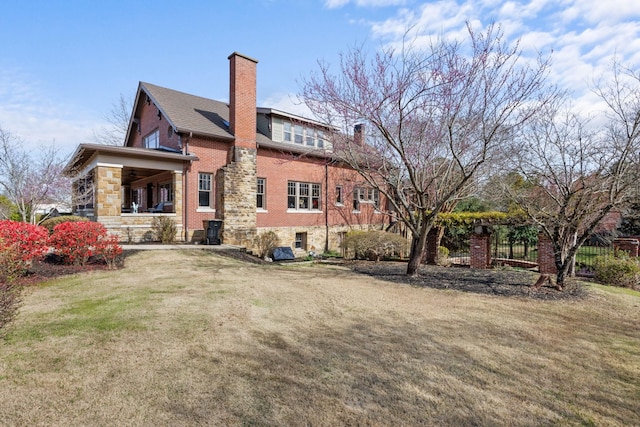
[{"x": 195, "y": 160}]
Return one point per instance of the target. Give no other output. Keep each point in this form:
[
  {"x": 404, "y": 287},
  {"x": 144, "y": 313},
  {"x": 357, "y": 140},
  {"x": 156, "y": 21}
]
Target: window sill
[
  {"x": 304, "y": 211},
  {"x": 260, "y": 210},
  {"x": 205, "y": 210}
]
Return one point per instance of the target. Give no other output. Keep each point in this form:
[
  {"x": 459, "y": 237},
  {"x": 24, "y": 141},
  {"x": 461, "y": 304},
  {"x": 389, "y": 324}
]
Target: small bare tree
[
  {"x": 435, "y": 117},
  {"x": 576, "y": 175},
  {"x": 117, "y": 118},
  {"x": 29, "y": 180}
]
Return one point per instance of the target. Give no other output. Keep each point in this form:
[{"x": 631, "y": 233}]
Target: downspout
[
  {"x": 186, "y": 189},
  {"x": 326, "y": 207}
]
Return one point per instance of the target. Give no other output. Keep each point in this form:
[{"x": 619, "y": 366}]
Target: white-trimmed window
[
  {"x": 365, "y": 195},
  {"x": 303, "y": 196},
  {"x": 298, "y": 134},
  {"x": 261, "y": 193},
  {"x": 320, "y": 138},
  {"x": 285, "y": 130},
  {"x": 152, "y": 140},
  {"x": 339, "y": 195},
  {"x": 165, "y": 192},
  {"x": 204, "y": 190},
  {"x": 287, "y": 134}
]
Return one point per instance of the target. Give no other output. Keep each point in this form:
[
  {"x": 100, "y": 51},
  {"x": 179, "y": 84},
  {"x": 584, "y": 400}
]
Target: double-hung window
[
  {"x": 303, "y": 196},
  {"x": 365, "y": 195},
  {"x": 287, "y": 132},
  {"x": 298, "y": 134},
  {"x": 339, "y": 195},
  {"x": 261, "y": 192},
  {"x": 204, "y": 190}
]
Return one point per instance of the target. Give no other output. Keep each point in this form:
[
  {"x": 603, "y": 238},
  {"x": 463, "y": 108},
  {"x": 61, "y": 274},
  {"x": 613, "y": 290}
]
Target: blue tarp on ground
[{"x": 283, "y": 253}]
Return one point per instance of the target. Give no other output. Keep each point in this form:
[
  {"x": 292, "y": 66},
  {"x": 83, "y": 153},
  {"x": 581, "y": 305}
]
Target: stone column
[
  {"x": 177, "y": 203},
  {"x": 236, "y": 202},
  {"x": 108, "y": 191},
  {"x": 108, "y": 203},
  {"x": 480, "y": 250}
]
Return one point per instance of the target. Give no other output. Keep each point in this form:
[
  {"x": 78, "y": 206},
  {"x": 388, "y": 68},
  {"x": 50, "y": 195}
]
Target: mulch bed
[
  {"x": 52, "y": 266},
  {"x": 499, "y": 282}
]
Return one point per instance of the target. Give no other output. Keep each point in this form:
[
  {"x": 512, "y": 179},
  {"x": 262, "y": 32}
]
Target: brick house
[{"x": 195, "y": 159}]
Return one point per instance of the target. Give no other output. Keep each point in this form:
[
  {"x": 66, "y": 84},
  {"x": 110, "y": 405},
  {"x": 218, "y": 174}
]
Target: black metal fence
[{"x": 519, "y": 243}]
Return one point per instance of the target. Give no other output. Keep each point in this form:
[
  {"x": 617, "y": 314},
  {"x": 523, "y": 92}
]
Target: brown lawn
[{"x": 192, "y": 338}]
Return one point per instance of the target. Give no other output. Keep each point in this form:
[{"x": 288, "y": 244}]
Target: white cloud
[
  {"x": 27, "y": 112},
  {"x": 584, "y": 35},
  {"x": 286, "y": 102},
  {"x": 334, "y": 4}
]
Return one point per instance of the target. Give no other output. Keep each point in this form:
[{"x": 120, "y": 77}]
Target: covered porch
[{"x": 124, "y": 188}]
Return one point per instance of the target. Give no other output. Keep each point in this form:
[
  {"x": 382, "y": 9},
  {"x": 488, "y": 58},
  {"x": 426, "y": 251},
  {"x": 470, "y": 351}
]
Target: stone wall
[
  {"x": 236, "y": 198},
  {"x": 315, "y": 237},
  {"x": 136, "y": 228}
]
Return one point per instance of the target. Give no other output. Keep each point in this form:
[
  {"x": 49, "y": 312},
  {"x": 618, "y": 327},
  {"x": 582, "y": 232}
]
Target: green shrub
[
  {"x": 617, "y": 271},
  {"x": 164, "y": 229},
  {"x": 50, "y": 223},
  {"x": 443, "y": 256},
  {"x": 374, "y": 245},
  {"x": 265, "y": 243}
]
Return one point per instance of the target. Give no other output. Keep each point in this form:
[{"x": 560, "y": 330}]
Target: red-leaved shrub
[
  {"x": 76, "y": 242},
  {"x": 20, "y": 244},
  {"x": 109, "y": 249}
]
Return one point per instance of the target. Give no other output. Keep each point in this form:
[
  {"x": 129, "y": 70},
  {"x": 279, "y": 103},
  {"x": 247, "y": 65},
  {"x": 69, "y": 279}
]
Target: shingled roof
[{"x": 190, "y": 113}]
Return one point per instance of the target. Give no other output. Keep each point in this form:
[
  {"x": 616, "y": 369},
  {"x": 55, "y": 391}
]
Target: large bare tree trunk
[{"x": 418, "y": 246}]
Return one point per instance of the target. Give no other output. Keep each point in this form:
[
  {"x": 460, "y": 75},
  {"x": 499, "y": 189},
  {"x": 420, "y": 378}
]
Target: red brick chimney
[
  {"x": 242, "y": 100},
  {"x": 359, "y": 135}
]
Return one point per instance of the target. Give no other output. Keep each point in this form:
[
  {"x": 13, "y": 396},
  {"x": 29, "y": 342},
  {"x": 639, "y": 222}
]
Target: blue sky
[{"x": 64, "y": 63}]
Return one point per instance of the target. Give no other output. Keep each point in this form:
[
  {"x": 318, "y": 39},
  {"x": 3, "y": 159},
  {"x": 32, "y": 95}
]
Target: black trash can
[{"x": 212, "y": 228}]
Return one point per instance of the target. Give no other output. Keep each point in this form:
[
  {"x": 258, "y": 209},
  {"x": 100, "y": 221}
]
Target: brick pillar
[
  {"x": 546, "y": 258},
  {"x": 431, "y": 254},
  {"x": 480, "y": 250},
  {"x": 630, "y": 246}
]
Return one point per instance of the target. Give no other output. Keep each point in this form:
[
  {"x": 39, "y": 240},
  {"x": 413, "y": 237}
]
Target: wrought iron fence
[{"x": 521, "y": 244}]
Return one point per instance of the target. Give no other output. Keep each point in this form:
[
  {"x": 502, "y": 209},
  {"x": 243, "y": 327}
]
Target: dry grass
[{"x": 190, "y": 338}]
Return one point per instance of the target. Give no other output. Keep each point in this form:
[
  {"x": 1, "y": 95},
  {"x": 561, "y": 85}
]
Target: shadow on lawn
[{"x": 381, "y": 372}]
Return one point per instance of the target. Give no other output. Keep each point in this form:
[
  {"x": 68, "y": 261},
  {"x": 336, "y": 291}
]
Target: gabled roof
[{"x": 189, "y": 113}]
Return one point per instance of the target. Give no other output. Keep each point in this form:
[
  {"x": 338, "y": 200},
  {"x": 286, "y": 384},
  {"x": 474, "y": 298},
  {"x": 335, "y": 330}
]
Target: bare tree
[
  {"x": 435, "y": 117},
  {"x": 30, "y": 181},
  {"x": 117, "y": 118},
  {"x": 575, "y": 175}
]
